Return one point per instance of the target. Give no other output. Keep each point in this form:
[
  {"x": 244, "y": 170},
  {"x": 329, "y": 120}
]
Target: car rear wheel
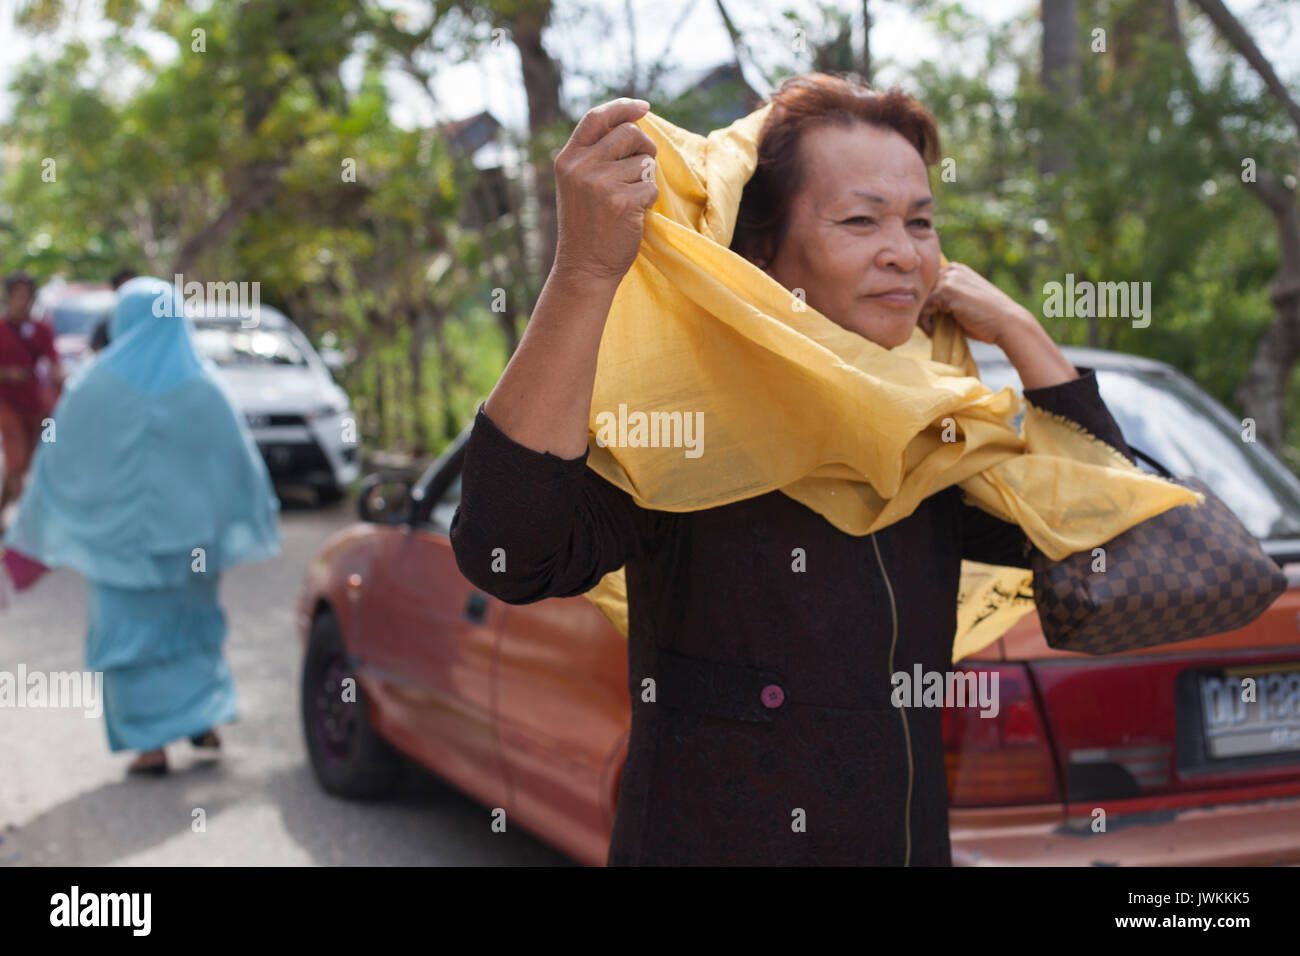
[{"x": 348, "y": 757}]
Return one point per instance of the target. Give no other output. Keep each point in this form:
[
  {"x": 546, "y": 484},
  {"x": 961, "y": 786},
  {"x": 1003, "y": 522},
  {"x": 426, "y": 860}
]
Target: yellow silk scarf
[{"x": 778, "y": 397}]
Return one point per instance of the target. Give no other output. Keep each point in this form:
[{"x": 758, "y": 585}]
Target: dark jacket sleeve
[
  {"x": 532, "y": 525},
  {"x": 993, "y": 541}
]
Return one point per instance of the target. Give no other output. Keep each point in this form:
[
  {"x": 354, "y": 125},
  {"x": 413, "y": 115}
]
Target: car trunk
[{"x": 1166, "y": 727}]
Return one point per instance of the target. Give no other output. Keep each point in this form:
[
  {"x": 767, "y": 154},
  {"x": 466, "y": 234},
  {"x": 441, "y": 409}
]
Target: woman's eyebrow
[{"x": 881, "y": 200}]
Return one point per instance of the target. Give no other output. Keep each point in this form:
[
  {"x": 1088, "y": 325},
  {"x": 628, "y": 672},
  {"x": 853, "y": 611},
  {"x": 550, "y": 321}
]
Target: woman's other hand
[
  {"x": 605, "y": 184},
  {"x": 985, "y": 312},
  {"x": 988, "y": 314}
]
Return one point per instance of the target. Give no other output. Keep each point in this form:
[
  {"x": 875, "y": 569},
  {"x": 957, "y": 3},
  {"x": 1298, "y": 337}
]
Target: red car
[{"x": 1142, "y": 758}]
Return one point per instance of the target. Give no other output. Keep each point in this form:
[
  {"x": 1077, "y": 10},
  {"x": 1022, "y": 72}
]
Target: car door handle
[{"x": 476, "y": 607}]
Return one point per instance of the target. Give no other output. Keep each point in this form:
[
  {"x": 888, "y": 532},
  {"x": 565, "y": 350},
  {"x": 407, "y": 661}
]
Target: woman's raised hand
[
  {"x": 605, "y": 185},
  {"x": 985, "y": 312}
]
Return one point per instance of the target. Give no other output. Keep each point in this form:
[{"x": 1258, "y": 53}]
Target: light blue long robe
[
  {"x": 160, "y": 650},
  {"x": 151, "y": 488}
]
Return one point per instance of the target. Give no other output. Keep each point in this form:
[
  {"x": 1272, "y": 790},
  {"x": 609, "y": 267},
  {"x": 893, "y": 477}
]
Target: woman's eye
[
  {"x": 923, "y": 223},
  {"x": 858, "y": 220}
]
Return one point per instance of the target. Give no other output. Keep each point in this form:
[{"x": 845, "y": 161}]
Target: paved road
[{"x": 65, "y": 799}]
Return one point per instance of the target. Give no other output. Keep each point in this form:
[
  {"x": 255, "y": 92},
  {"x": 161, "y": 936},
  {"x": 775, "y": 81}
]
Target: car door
[
  {"x": 563, "y": 714},
  {"x": 432, "y": 636},
  {"x": 559, "y": 695}
]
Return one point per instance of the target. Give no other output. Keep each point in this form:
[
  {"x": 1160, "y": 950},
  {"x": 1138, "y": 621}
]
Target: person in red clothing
[{"x": 23, "y": 404}]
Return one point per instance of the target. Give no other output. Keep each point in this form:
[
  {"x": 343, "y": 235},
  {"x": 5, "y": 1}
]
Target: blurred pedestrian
[
  {"x": 152, "y": 489},
  {"x": 26, "y": 351},
  {"x": 99, "y": 337}
]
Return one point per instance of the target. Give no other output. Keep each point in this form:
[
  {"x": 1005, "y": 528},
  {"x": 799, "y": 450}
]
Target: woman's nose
[{"x": 897, "y": 250}]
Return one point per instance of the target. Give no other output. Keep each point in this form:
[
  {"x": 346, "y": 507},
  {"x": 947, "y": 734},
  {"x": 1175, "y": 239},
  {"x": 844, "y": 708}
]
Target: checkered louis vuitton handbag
[{"x": 1185, "y": 573}]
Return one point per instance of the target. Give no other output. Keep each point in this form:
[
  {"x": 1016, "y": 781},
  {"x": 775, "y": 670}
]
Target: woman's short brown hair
[{"x": 803, "y": 103}]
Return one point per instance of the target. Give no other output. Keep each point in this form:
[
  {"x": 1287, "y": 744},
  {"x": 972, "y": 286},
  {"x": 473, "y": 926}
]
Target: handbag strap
[{"x": 1137, "y": 453}]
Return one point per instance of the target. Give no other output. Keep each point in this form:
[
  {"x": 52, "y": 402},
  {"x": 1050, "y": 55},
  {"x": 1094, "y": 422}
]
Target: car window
[
  {"x": 445, "y": 509},
  {"x": 443, "y": 472},
  {"x": 229, "y": 346},
  {"x": 79, "y": 314},
  {"x": 1190, "y": 433}
]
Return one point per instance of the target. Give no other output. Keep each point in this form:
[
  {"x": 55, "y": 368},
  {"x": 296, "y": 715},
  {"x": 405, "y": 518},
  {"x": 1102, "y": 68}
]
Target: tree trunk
[
  {"x": 262, "y": 184},
  {"x": 737, "y": 44},
  {"x": 866, "y": 42},
  {"x": 516, "y": 286},
  {"x": 381, "y": 405},
  {"x": 1263, "y": 392},
  {"x": 541, "y": 76},
  {"x": 1060, "y": 71},
  {"x": 415, "y": 355},
  {"x": 438, "y": 325}
]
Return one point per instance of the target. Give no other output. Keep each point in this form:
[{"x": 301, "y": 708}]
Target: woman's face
[
  {"x": 19, "y": 305},
  {"x": 861, "y": 242}
]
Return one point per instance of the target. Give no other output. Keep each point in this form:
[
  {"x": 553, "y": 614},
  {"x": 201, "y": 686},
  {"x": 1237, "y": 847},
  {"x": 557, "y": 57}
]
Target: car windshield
[
  {"x": 1191, "y": 434},
  {"x": 230, "y": 346},
  {"x": 79, "y": 314}
]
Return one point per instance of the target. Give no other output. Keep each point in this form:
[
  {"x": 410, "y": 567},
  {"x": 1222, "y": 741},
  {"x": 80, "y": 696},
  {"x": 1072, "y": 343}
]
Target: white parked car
[
  {"x": 301, "y": 419},
  {"x": 73, "y": 309}
]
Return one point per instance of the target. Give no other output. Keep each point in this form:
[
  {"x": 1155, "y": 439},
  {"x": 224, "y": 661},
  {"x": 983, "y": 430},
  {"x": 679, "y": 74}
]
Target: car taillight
[{"x": 1002, "y": 759}]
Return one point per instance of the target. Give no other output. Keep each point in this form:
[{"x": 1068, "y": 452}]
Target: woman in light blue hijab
[{"x": 151, "y": 487}]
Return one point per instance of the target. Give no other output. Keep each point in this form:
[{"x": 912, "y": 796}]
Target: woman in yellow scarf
[{"x": 744, "y": 419}]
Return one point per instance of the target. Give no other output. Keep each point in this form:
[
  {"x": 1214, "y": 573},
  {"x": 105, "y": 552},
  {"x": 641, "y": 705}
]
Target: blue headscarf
[{"x": 149, "y": 461}]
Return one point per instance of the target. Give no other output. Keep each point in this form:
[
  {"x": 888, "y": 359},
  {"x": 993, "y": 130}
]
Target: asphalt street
[{"x": 65, "y": 799}]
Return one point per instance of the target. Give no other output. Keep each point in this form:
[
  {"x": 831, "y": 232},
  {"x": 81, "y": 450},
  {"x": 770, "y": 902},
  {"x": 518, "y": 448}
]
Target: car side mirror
[{"x": 385, "y": 499}]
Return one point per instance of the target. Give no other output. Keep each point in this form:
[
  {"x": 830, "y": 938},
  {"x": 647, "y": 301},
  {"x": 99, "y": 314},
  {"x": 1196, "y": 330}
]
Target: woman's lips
[{"x": 899, "y": 298}]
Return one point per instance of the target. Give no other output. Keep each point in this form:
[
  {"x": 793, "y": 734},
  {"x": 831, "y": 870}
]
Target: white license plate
[{"x": 1238, "y": 727}]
